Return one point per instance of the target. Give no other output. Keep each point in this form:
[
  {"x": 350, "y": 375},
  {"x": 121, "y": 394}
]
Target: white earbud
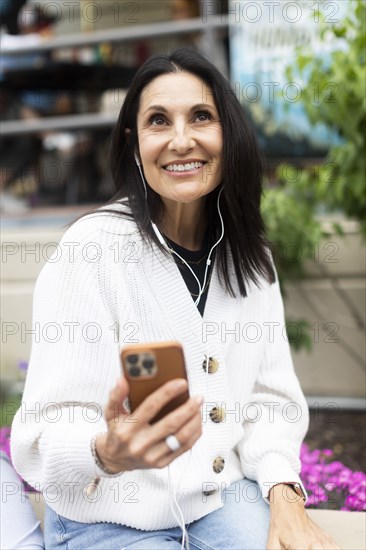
[
  {"x": 139, "y": 164},
  {"x": 137, "y": 160}
]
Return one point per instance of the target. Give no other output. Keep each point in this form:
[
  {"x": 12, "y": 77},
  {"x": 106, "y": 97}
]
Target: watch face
[{"x": 297, "y": 488}]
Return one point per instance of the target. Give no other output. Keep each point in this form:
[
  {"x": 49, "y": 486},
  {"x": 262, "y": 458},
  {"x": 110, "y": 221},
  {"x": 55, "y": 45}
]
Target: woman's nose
[{"x": 181, "y": 138}]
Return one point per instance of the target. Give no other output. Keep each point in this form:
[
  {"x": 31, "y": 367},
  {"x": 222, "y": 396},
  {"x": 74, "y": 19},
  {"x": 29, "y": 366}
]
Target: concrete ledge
[{"x": 347, "y": 528}]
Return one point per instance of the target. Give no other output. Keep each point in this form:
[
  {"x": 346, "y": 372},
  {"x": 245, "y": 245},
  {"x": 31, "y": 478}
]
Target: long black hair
[{"x": 241, "y": 171}]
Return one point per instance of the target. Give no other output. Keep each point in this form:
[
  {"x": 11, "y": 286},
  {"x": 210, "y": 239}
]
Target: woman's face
[{"x": 180, "y": 137}]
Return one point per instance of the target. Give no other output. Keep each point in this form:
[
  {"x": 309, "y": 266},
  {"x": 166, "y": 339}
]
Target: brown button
[
  {"x": 209, "y": 493},
  {"x": 218, "y": 464},
  {"x": 217, "y": 414},
  {"x": 213, "y": 365}
]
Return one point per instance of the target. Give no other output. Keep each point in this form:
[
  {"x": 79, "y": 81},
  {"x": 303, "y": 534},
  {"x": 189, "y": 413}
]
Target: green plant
[
  {"x": 338, "y": 183},
  {"x": 292, "y": 229},
  {"x": 294, "y": 233},
  {"x": 8, "y": 409},
  {"x": 334, "y": 93}
]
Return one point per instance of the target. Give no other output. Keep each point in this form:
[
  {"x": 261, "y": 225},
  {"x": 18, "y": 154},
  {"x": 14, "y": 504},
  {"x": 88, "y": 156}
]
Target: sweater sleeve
[
  {"x": 270, "y": 448},
  {"x": 73, "y": 365}
]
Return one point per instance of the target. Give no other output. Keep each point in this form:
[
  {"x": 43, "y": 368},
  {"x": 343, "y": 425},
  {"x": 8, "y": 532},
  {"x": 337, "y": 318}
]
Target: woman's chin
[{"x": 188, "y": 192}]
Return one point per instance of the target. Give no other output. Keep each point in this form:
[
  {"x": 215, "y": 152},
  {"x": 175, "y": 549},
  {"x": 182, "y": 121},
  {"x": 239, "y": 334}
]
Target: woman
[{"x": 185, "y": 158}]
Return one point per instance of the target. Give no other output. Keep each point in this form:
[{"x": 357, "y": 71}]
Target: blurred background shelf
[
  {"x": 66, "y": 122},
  {"x": 122, "y": 34}
]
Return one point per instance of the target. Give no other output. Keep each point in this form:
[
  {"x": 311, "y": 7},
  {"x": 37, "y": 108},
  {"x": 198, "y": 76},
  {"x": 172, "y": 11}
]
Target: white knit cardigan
[{"x": 104, "y": 288}]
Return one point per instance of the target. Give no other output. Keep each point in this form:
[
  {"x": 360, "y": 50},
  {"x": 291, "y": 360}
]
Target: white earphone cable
[
  {"x": 214, "y": 246},
  {"x": 208, "y": 261},
  {"x": 174, "y": 494},
  {"x": 180, "y": 519}
]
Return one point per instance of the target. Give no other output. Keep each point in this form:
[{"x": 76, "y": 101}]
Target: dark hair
[
  {"x": 241, "y": 168},
  {"x": 9, "y": 13}
]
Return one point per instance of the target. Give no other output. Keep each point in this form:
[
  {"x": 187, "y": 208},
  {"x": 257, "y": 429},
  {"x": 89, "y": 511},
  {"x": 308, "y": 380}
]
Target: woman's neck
[{"x": 184, "y": 224}]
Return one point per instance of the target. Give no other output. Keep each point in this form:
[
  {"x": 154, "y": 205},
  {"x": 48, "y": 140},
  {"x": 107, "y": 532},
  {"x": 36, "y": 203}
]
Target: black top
[{"x": 197, "y": 262}]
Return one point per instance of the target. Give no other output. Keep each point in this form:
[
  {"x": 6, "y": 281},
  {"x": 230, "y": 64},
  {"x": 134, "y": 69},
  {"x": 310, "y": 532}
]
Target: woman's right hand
[{"x": 132, "y": 443}]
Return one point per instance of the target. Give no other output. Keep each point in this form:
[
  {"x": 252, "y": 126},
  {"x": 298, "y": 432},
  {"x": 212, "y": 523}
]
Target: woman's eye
[
  {"x": 157, "y": 120},
  {"x": 203, "y": 115}
]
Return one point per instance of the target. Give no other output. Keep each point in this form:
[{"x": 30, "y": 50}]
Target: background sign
[{"x": 263, "y": 41}]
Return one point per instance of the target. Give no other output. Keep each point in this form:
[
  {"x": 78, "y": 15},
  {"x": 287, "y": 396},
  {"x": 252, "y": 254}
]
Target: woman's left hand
[{"x": 290, "y": 526}]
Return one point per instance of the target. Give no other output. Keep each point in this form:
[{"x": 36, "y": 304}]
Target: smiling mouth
[{"x": 184, "y": 167}]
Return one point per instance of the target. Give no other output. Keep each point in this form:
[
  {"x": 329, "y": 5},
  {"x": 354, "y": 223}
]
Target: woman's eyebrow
[
  {"x": 156, "y": 108},
  {"x": 162, "y": 109}
]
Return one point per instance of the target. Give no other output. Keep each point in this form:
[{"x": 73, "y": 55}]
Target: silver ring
[{"x": 172, "y": 443}]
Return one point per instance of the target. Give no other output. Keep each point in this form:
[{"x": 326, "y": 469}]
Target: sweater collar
[{"x": 167, "y": 283}]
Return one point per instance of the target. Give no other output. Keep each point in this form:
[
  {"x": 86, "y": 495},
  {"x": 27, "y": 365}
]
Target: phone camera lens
[
  {"x": 135, "y": 371},
  {"x": 132, "y": 358},
  {"x": 148, "y": 364}
]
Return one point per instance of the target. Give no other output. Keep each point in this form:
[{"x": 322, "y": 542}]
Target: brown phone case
[{"x": 147, "y": 367}]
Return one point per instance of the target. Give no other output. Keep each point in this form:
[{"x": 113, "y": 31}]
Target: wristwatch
[{"x": 297, "y": 488}]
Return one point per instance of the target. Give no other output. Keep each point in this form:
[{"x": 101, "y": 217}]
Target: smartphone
[{"x": 148, "y": 366}]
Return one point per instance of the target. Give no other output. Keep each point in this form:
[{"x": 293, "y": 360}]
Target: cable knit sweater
[{"x": 105, "y": 288}]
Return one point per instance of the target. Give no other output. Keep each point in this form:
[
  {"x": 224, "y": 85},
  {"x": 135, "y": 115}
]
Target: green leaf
[{"x": 299, "y": 334}]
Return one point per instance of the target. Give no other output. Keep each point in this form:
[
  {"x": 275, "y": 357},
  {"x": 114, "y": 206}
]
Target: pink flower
[
  {"x": 327, "y": 452},
  {"x": 322, "y": 479},
  {"x": 5, "y": 440}
]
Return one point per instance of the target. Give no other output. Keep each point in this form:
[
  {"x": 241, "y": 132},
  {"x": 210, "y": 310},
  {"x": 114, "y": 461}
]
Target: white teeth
[{"x": 183, "y": 167}]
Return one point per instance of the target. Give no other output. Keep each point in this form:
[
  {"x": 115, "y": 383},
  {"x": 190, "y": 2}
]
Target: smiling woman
[
  {"x": 196, "y": 268},
  {"x": 201, "y": 120}
]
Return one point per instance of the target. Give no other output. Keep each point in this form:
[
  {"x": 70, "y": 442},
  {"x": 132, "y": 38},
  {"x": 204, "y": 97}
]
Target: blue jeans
[{"x": 241, "y": 524}]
